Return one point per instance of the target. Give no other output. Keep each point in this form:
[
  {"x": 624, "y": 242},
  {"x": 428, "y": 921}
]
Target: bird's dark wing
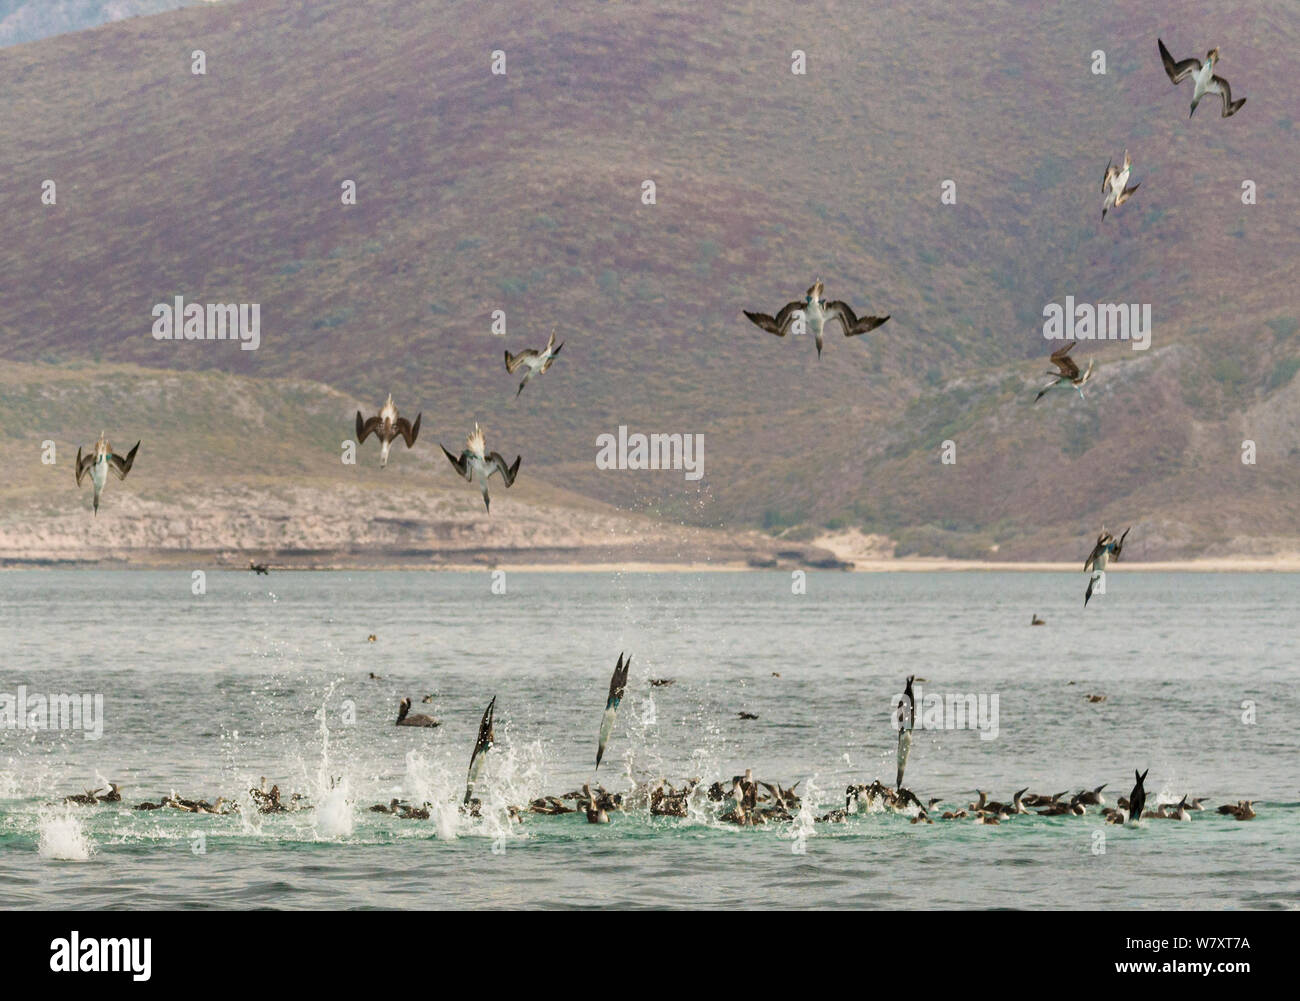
[
  {"x": 780, "y": 324},
  {"x": 84, "y": 462},
  {"x": 851, "y": 322},
  {"x": 508, "y": 473},
  {"x": 461, "y": 465},
  {"x": 409, "y": 431},
  {"x": 514, "y": 361},
  {"x": 618, "y": 682},
  {"x": 1062, "y": 360},
  {"x": 1219, "y": 86},
  {"x": 122, "y": 466},
  {"x": 366, "y": 428},
  {"x": 1178, "y": 71}
]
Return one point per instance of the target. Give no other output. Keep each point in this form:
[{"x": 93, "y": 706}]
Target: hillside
[
  {"x": 28, "y": 20},
  {"x": 521, "y": 192},
  {"x": 256, "y": 472}
]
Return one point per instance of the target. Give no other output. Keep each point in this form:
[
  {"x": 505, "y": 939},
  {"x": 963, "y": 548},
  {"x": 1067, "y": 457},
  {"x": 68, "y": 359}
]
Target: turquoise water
[{"x": 269, "y": 676}]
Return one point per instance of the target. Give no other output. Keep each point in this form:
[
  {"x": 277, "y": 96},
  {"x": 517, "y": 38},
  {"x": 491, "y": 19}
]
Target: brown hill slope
[{"x": 479, "y": 192}]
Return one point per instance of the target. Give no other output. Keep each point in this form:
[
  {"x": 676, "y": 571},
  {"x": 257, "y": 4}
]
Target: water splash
[
  {"x": 332, "y": 794},
  {"x": 62, "y": 837}
]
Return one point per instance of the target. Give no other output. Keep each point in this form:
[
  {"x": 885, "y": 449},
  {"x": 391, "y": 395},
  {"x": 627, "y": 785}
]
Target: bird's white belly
[{"x": 99, "y": 474}]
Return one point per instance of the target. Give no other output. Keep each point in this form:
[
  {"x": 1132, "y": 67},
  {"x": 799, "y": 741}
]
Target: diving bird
[
  {"x": 617, "y": 684},
  {"x": 1067, "y": 373},
  {"x": 474, "y": 462},
  {"x": 404, "y": 717},
  {"x": 1107, "y": 548},
  {"x": 1203, "y": 79},
  {"x": 815, "y": 312},
  {"x": 387, "y": 426},
  {"x": 906, "y": 721},
  {"x": 1138, "y": 797},
  {"x": 100, "y": 462},
  {"x": 537, "y": 362},
  {"x": 486, "y": 738},
  {"x": 1113, "y": 185}
]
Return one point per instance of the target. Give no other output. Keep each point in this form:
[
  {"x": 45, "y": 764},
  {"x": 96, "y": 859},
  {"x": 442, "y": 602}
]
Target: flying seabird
[
  {"x": 1203, "y": 78},
  {"x": 404, "y": 717},
  {"x": 816, "y": 311},
  {"x": 486, "y": 737},
  {"x": 100, "y": 462},
  {"x": 474, "y": 461},
  {"x": 1069, "y": 374},
  {"x": 1106, "y": 549},
  {"x": 1138, "y": 797},
  {"x": 617, "y": 683},
  {"x": 1113, "y": 185},
  {"x": 387, "y": 426},
  {"x": 537, "y": 362}
]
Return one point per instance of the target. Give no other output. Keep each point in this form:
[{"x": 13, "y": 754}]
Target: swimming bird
[
  {"x": 1107, "y": 548},
  {"x": 537, "y": 362},
  {"x": 1138, "y": 797},
  {"x": 617, "y": 683},
  {"x": 661, "y": 682},
  {"x": 1203, "y": 79},
  {"x": 473, "y": 461},
  {"x": 404, "y": 718},
  {"x": 1036, "y": 621},
  {"x": 1069, "y": 374},
  {"x": 1113, "y": 185},
  {"x": 1092, "y": 697},
  {"x": 387, "y": 426},
  {"x": 595, "y": 808},
  {"x": 99, "y": 462},
  {"x": 1093, "y": 797},
  {"x": 259, "y": 568},
  {"x": 905, "y": 725},
  {"x": 486, "y": 738},
  {"x": 815, "y": 312},
  {"x": 747, "y": 715},
  {"x": 1180, "y": 811}
]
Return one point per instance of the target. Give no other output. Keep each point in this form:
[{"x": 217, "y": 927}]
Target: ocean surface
[{"x": 205, "y": 694}]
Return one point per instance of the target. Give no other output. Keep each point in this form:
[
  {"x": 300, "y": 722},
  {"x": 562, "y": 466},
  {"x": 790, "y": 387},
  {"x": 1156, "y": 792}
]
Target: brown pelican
[
  {"x": 99, "y": 462},
  {"x": 537, "y": 362},
  {"x": 474, "y": 461},
  {"x": 387, "y": 427},
  {"x": 1069, "y": 374},
  {"x": 1203, "y": 79},
  {"x": 404, "y": 717},
  {"x": 815, "y": 312}
]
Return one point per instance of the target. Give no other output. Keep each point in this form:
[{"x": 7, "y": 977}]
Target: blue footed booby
[
  {"x": 617, "y": 684},
  {"x": 537, "y": 362},
  {"x": 1114, "y": 185},
  {"x": 906, "y": 710},
  {"x": 1067, "y": 373},
  {"x": 486, "y": 738},
  {"x": 474, "y": 461},
  {"x": 1138, "y": 797},
  {"x": 387, "y": 426},
  {"x": 816, "y": 312},
  {"x": 1107, "y": 548},
  {"x": 99, "y": 462},
  {"x": 1203, "y": 79}
]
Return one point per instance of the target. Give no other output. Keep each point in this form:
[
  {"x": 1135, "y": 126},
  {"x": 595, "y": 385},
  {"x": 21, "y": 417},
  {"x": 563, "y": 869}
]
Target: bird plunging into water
[
  {"x": 537, "y": 362},
  {"x": 1113, "y": 185},
  {"x": 815, "y": 312},
  {"x": 474, "y": 462},
  {"x": 99, "y": 462},
  {"x": 1107, "y": 548},
  {"x": 1067, "y": 373},
  {"x": 387, "y": 426},
  {"x": 1203, "y": 79}
]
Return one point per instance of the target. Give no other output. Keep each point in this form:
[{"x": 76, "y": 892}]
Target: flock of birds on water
[{"x": 744, "y": 800}]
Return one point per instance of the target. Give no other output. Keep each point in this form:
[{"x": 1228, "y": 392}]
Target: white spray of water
[
  {"x": 804, "y": 825},
  {"x": 62, "y": 838},
  {"x": 333, "y": 796}
]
